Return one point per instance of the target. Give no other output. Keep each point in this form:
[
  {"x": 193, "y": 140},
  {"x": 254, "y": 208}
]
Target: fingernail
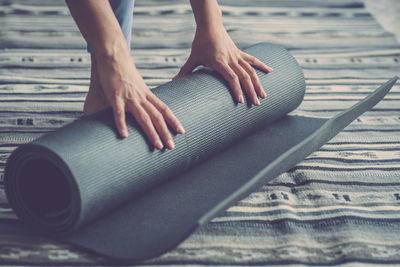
[
  {"x": 180, "y": 129},
  {"x": 158, "y": 145},
  {"x": 241, "y": 99},
  {"x": 263, "y": 94},
  {"x": 125, "y": 133},
  {"x": 257, "y": 102},
  {"x": 270, "y": 69},
  {"x": 170, "y": 144}
]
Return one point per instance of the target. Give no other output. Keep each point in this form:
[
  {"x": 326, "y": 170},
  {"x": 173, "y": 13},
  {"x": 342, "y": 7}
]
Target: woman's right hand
[{"x": 117, "y": 83}]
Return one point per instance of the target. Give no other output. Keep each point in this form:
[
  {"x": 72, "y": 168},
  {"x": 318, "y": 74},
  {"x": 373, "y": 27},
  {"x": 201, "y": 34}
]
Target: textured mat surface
[
  {"x": 338, "y": 205},
  {"x": 66, "y": 179},
  {"x": 66, "y": 183}
]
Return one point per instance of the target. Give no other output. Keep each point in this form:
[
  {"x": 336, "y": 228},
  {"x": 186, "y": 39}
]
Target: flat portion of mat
[
  {"x": 338, "y": 205},
  {"x": 155, "y": 222},
  {"x": 158, "y": 220}
]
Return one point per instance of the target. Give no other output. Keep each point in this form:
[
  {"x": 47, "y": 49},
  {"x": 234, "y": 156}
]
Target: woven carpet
[{"x": 341, "y": 205}]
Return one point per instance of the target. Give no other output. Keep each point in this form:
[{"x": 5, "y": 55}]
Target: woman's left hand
[{"x": 212, "y": 47}]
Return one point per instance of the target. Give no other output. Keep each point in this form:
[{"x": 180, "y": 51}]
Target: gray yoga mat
[{"x": 120, "y": 198}]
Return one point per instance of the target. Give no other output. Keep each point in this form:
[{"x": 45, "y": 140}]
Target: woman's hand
[
  {"x": 116, "y": 82},
  {"x": 212, "y": 47}
]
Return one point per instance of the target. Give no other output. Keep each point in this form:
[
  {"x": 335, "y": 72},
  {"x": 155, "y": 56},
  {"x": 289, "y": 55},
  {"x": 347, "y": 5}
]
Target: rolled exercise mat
[{"x": 120, "y": 198}]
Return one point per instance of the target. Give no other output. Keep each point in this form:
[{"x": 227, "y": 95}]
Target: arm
[
  {"x": 213, "y": 47},
  {"x": 122, "y": 86}
]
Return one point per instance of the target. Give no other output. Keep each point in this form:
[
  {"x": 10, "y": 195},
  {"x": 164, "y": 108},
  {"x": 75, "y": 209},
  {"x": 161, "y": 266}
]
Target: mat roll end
[{"x": 40, "y": 189}]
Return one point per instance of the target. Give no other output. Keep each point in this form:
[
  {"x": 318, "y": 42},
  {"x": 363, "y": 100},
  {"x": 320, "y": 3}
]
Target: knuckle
[
  {"x": 242, "y": 61},
  {"x": 246, "y": 78},
  {"x": 119, "y": 111},
  {"x": 220, "y": 59},
  {"x": 144, "y": 118},
  {"x": 144, "y": 103},
  {"x": 232, "y": 76},
  {"x": 163, "y": 108},
  {"x": 251, "y": 60},
  {"x": 128, "y": 95},
  {"x": 253, "y": 74},
  {"x": 116, "y": 101},
  {"x": 158, "y": 117}
]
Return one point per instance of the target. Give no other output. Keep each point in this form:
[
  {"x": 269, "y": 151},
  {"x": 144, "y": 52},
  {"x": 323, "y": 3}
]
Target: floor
[
  {"x": 387, "y": 13},
  {"x": 340, "y": 205}
]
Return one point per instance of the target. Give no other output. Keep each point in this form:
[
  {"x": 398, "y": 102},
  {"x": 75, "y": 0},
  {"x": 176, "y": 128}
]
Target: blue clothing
[{"x": 123, "y": 10}]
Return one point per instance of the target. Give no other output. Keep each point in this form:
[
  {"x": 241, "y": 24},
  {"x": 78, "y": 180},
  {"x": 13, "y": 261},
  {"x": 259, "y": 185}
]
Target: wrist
[
  {"x": 112, "y": 55},
  {"x": 209, "y": 26},
  {"x": 210, "y": 31},
  {"x": 207, "y": 14},
  {"x": 111, "y": 49}
]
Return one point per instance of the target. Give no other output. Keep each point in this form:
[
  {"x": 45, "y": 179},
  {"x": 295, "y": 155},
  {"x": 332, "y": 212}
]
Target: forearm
[
  {"x": 99, "y": 27},
  {"x": 206, "y": 13}
]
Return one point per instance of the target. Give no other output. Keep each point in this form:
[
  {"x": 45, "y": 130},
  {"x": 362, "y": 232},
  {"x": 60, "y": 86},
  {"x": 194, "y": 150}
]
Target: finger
[
  {"x": 245, "y": 80},
  {"x": 160, "y": 125},
  {"x": 119, "y": 117},
  {"x": 187, "y": 68},
  {"x": 167, "y": 113},
  {"x": 256, "y": 63},
  {"x": 254, "y": 78},
  {"x": 146, "y": 124},
  {"x": 230, "y": 76}
]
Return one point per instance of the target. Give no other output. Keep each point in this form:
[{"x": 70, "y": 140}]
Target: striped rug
[{"x": 341, "y": 205}]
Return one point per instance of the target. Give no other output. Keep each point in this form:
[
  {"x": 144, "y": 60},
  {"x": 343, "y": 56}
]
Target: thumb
[{"x": 187, "y": 68}]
